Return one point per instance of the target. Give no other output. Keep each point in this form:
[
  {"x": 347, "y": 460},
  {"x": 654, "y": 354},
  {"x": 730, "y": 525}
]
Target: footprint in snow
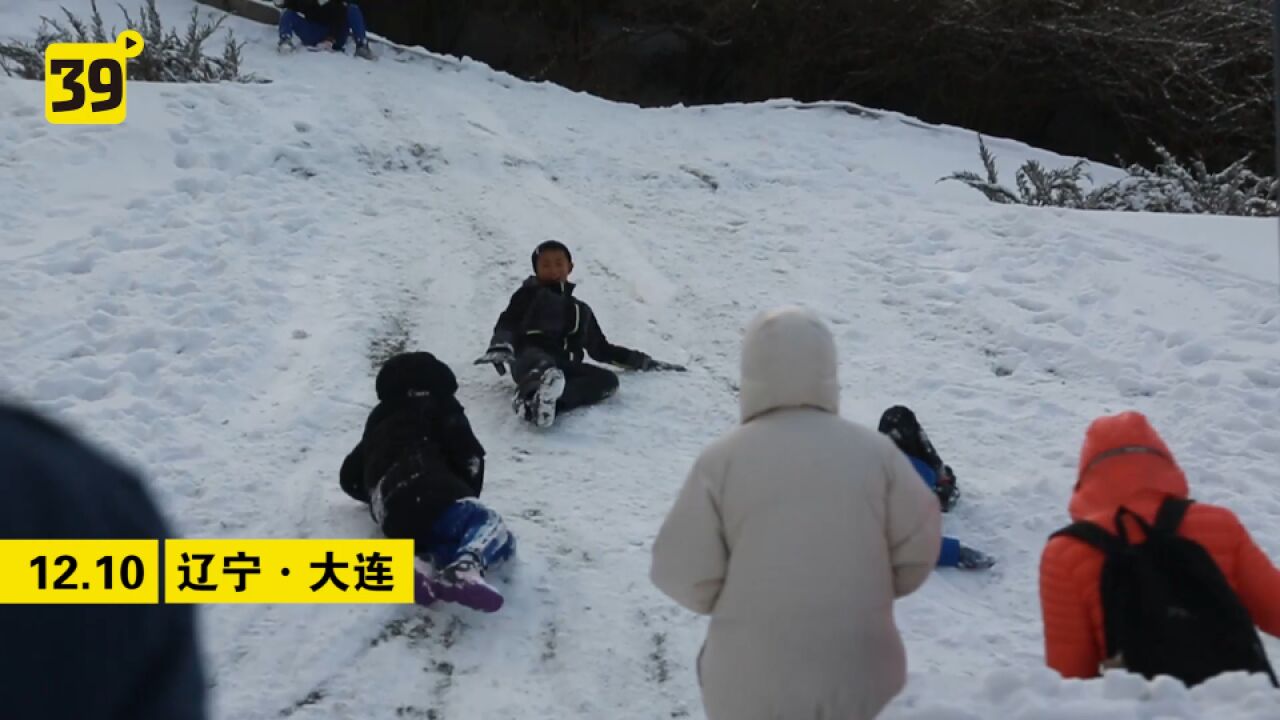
[
  {"x": 1263, "y": 379},
  {"x": 1196, "y": 353},
  {"x": 184, "y": 159},
  {"x": 1265, "y": 442},
  {"x": 1030, "y": 305}
]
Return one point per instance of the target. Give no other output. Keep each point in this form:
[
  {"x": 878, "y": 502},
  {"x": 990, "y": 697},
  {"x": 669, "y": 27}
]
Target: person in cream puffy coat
[{"x": 796, "y": 532}]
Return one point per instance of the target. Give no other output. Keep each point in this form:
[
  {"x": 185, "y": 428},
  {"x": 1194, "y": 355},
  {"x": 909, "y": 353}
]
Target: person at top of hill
[
  {"x": 544, "y": 335},
  {"x": 322, "y": 24},
  {"x": 420, "y": 469},
  {"x": 1208, "y": 580},
  {"x": 796, "y": 532},
  {"x": 900, "y": 424}
]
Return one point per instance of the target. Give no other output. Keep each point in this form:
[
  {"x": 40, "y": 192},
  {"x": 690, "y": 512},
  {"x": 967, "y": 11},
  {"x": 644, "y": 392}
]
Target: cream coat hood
[{"x": 788, "y": 361}]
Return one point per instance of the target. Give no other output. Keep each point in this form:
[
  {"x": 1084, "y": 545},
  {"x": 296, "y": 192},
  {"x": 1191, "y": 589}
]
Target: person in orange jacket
[{"x": 1125, "y": 462}]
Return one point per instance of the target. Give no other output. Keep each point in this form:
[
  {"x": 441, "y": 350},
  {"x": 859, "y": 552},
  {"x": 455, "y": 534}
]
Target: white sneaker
[{"x": 544, "y": 400}]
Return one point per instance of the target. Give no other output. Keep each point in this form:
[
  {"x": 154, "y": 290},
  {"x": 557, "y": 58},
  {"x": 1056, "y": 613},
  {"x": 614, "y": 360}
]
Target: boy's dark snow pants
[{"x": 584, "y": 384}]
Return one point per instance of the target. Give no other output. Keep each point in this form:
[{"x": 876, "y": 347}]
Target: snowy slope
[{"x": 200, "y": 289}]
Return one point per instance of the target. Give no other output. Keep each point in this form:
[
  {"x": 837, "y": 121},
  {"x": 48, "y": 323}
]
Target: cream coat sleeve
[
  {"x": 690, "y": 557},
  {"x": 913, "y": 524}
]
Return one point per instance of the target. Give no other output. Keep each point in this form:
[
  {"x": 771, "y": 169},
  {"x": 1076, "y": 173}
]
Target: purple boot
[
  {"x": 424, "y": 592},
  {"x": 463, "y": 583}
]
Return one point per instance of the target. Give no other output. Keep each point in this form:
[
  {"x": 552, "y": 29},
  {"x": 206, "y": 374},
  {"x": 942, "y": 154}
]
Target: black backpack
[{"x": 1167, "y": 607}]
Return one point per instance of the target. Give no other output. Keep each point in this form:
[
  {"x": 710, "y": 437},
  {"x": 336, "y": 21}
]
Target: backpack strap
[
  {"x": 1123, "y": 531},
  {"x": 1091, "y": 534},
  {"x": 1168, "y": 518},
  {"x": 1172, "y": 510}
]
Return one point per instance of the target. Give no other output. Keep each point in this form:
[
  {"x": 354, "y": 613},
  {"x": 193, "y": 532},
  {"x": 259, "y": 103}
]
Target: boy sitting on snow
[
  {"x": 420, "y": 469},
  {"x": 900, "y": 424},
  {"x": 322, "y": 24},
  {"x": 545, "y": 332}
]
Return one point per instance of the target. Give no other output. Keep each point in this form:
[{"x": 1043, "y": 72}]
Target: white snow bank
[{"x": 1040, "y": 694}]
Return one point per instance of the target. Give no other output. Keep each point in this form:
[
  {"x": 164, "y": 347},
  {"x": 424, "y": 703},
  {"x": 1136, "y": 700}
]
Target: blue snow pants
[
  {"x": 949, "y": 556},
  {"x": 469, "y": 526},
  {"x": 293, "y": 23}
]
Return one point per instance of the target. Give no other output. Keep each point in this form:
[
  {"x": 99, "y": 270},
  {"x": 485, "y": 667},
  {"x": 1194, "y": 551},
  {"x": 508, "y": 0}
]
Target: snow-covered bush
[
  {"x": 1173, "y": 186},
  {"x": 168, "y": 55}
]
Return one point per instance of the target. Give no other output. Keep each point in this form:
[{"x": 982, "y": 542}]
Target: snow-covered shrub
[
  {"x": 1173, "y": 186},
  {"x": 1036, "y": 186},
  {"x": 168, "y": 55}
]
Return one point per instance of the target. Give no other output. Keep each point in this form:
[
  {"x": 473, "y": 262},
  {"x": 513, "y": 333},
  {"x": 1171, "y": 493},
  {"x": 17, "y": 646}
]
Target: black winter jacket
[
  {"x": 417, "y": 418},
  {"x": 549, "y": 317},
  {"x": 332, "y": 14}
]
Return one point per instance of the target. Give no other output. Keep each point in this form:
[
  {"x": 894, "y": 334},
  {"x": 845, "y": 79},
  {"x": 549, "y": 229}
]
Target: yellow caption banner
[
  {"x": 96, "y": 572},
  {"x": 288, "y": 571},
  {"x": 79, "y": 572}
]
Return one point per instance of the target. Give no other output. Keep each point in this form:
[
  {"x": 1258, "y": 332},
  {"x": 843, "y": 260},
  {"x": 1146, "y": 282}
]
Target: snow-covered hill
[{"x": 203, "y": 287}]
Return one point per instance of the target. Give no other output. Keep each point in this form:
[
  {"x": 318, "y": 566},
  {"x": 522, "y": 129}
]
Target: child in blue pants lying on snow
[
  {"x": 900, "y": 424},
  {"x": 420, "y": 469}
]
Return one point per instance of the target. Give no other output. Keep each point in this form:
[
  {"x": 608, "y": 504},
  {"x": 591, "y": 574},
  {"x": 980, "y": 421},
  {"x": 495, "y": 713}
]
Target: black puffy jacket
[
  {"x": 418, "y": 414},
  {"x": 549, "y": 317}
]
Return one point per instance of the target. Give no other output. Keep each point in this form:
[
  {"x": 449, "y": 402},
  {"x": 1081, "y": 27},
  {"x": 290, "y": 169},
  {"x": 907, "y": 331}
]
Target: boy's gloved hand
[
  {"x": 647, "y": 364},
  {"x": 971, "y": 559},
  {"x": 499, "y": 356}
]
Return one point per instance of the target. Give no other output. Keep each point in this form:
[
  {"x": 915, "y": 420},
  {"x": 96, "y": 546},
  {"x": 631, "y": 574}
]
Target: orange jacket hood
[{"x": 1123, "y": 458}]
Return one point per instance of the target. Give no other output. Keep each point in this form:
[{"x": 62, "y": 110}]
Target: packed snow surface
[{"x": 203, "y": 288}]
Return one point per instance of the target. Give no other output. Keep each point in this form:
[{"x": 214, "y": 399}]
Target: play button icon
[{"x": 130, "y": 43}]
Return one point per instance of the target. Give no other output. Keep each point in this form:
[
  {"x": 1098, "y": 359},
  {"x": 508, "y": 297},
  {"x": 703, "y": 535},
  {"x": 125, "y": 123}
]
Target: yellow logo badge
[{"x": 85, "y": 83}]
